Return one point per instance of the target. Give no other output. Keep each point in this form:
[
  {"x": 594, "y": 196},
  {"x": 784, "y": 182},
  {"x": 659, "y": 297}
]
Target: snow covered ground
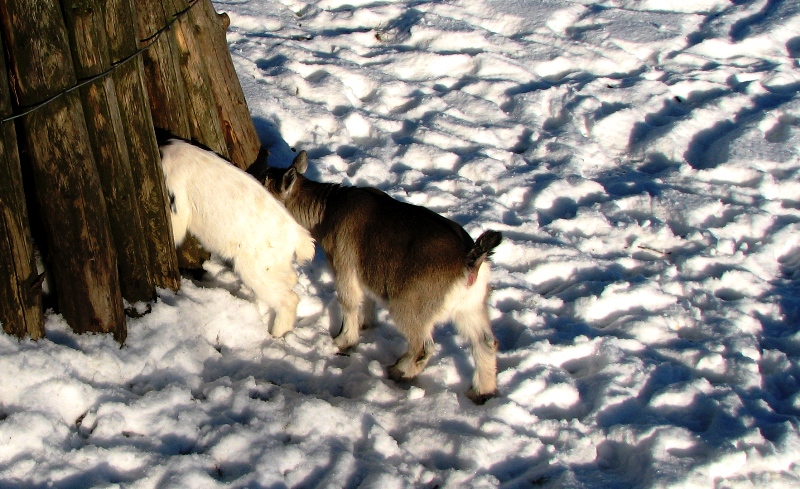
[{"x": 641, "y": 158}]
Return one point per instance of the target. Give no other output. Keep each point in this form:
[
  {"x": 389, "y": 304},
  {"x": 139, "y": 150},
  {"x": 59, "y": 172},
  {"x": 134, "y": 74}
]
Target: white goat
[
  {"x": 425, "y": 267},
  {"x": 233, "y": 216}
]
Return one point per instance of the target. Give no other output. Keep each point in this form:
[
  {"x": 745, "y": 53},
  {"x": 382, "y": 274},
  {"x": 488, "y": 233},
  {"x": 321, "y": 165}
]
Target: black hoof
[
  {"x": 480, "y": 399},
  {"x": 397, "y": 375},
  {"x": 344, "y": 350}
]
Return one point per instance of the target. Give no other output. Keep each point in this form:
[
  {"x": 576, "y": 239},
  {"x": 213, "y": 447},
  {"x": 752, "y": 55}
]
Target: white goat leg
[
  {"x": 285, "y": 314},
  {"x": 180, "y": 213},
  {"x": 471, "y": 318},
  {"x": 475, "y": 327},
  {"x": 276, "y": 293}
]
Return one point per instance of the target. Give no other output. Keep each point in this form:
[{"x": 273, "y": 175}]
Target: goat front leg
[
  {"x": 351, "y": 296},
  {"x": 272, "y": 287},
  {"x": 285, "y": 314},
  {"x": 367, "y": 315}
]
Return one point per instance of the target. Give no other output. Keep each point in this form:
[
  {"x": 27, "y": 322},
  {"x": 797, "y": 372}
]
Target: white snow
[{"x": 640, "y": 157}]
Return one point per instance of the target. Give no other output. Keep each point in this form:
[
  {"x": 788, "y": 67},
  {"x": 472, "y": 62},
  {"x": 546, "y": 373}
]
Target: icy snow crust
[{"x": 641, "y": 159}]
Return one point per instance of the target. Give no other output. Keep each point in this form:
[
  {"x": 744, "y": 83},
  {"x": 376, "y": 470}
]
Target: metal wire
[{"x": 150, "y": 41}]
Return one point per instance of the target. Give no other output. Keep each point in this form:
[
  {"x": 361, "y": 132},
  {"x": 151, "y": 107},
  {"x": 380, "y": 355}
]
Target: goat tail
[{"x": 483, "y": 248}]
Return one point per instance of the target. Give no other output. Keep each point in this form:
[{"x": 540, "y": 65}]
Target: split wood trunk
[
  {"x": 82, "y": 252},
  {"x": 162, "y": 72},
  {"x": 129, "y": 170},
  {"x": 91, "y": 55},
  {"x": 237, "y": 125},
  {"x": 20, "y": 291},
  {"x": 151, "y": 190}
]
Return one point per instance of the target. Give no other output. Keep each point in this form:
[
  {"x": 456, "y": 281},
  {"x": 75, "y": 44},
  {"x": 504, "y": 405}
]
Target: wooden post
[
  {"x": 87, "y": 37},
  {"x": 121, "y": 29},
  {"x": 181, "y": 112},
  {"x": 92, "y": 56},
  {"x": 151, "y": 190},
  {"x": 94, "y": 175},
  {"x": 108, "y": 141},
  {"x": 20, "y": 292},
  {"x": 42, "y": 64},
  {"x": 237, "y": 125},
  {"x": 145, "y": 161},
  {"x": 218, "y": 114},
  {"x": 68, "y": 188},
  {"x": 162, "y": 73},
  {"x": 204, "y": 119},
  {"x": 76, "y": 222}
]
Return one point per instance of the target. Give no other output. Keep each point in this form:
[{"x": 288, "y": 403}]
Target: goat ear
[
  {"x": 301, "y": 162},
  {"x": 288, "y": 180}
]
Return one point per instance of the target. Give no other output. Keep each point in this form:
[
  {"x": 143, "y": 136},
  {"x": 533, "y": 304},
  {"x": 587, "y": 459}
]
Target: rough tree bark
[
  {"x": 237, "y": 125},
  {"x": 20, "y": 292},
  {"x": 146, "y": 166},
  {"x": 68, "y": 189},
  {"x": 92, "y": 56},
  {"x": 137, "y": 121},
  {"x": 162, "y": 72},
  {"x": 204, "y": 120}
]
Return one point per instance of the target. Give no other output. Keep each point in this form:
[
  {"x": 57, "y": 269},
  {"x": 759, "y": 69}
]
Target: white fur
[{"x": 233, "y": 216}]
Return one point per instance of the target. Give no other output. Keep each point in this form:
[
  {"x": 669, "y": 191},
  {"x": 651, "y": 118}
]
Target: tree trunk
[
  {"x": 68, "y": 190},
  {"x": 151, "y": 191},
  {"x": 162, "y": 72},
  {"x": 87, "y": 36},
  {"x": 237, "y": 125},
  {"x": 36, "y": 39},
  {"x": 20, "y": 292},
  {"x": 121, "y": 29},
  {"x": 91, "y": 56},
  {"x": 204, "y": 118},
  {"x": 184, "y": 111},
  {"x": 110, "y": 149},
  {"x": 145, "y": 161},
  {"x": 218, "y": 114}
]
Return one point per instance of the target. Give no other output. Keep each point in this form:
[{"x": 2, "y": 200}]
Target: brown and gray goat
[{"x": 424, "y": 267}]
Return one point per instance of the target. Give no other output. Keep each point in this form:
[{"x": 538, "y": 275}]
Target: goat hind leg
[
  {"x": 180, "y": 214},
  {"x": 475, "y": 326},
  {"x": 420, "y": 349}
]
